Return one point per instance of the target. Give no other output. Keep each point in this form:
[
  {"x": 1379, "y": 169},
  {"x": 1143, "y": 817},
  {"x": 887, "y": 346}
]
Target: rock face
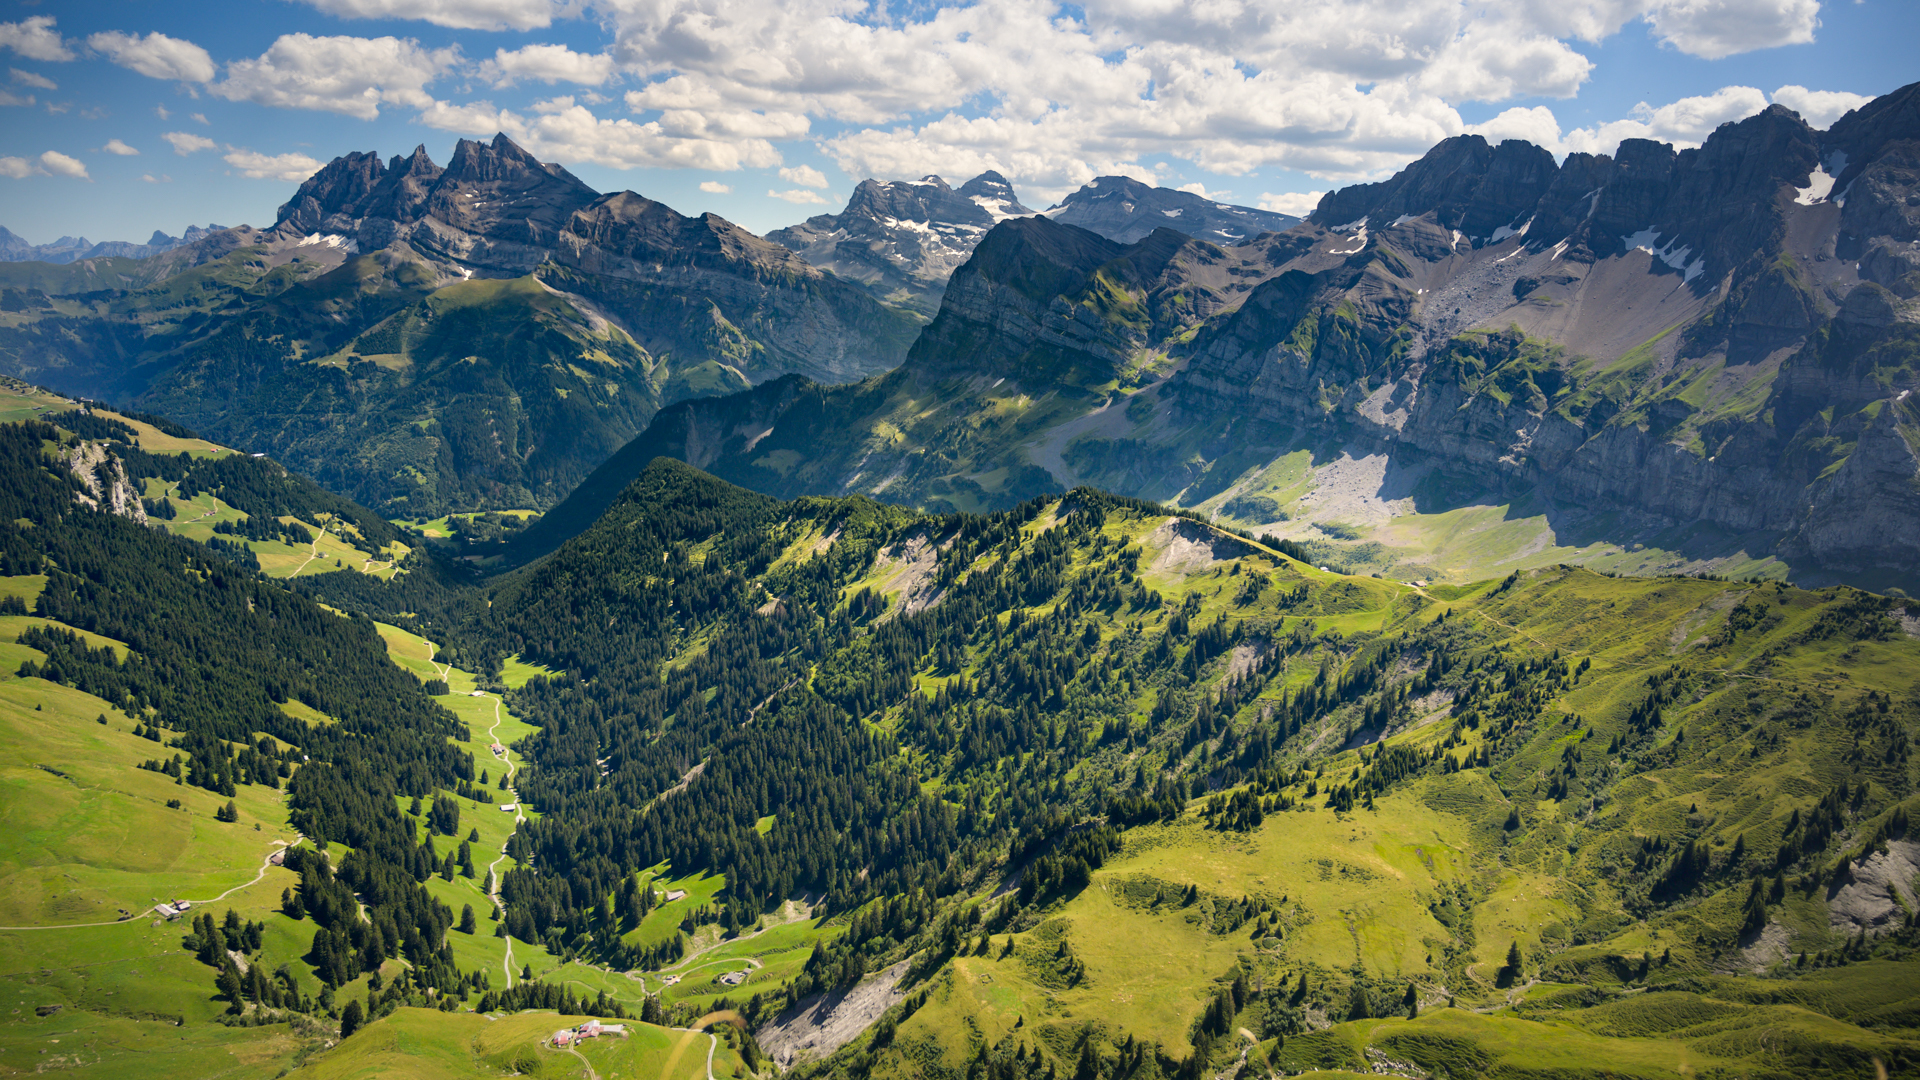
[
  {"x": 1124, "y": 209},
  {"x": 1723, "y": 338},
  {"x": 904, "y": 239}
]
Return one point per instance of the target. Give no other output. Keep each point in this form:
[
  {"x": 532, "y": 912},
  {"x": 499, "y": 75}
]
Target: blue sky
[{"x": 766, "y": 113}]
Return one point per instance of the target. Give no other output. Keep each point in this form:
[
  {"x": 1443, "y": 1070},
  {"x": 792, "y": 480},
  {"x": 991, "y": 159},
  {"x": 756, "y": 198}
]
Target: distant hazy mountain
[
  {"x": 903, "y": 239},
  {"x": 1124, "y": 209},
  {"x": 69, "y": 248}
]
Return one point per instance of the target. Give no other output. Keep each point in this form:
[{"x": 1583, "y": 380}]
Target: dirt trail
[
  {"x": 316, "y": 554},
  {"x": 266, "y": 863},
  {"x": 591, "y": 1075},
  {"x": 519, "y": 815}
]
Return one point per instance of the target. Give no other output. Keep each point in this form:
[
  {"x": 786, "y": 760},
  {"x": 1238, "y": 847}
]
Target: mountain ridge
[{"x": 1684, "y": 341}]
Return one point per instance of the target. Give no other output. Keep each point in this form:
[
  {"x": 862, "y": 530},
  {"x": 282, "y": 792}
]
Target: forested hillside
[
  {"x": 996, "y": 753},
  {"x": 1085, "y": 786}
]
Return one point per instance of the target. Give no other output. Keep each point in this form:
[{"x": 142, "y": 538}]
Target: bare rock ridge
[
  {"x": 1724, "y": 337},
  {"x": 1124, "y": 209}
]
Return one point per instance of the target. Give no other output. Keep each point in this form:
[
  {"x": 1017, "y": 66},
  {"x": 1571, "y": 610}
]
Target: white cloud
[
  {"x": 349, "y": 75},
  {"x": 28, "y": 78},
  {"x": 51, "y": 163},
  {"x": 804, "y": 175},
  {"x": 161, "y": 112},
  {"x": 59, "y": 164},
  {"x": 547, "y": 63},
  {"x": 798, "y": 196},
  {"x": 291, "y": 168},
  {"x": 567, "y": 131},
  {"x": 1197, "y": 188},
  {"x": 1819, "y": 108},
  {"x": 35, "y": 39},
  {"x": 156, "y": 56},
  {"x": 715, "y": 187},
  {"x": 186, "y": 142},
  {"x": 1297, "y": 203},
  {"x": 1684, "y": 123},
  {"x": 7, "y": 98},
  {"x": 1717, "y": 28},
  {"x": 149, "y": 178},
  {"x": 199, "y": 118},
  {"x": 458, "y": 14},
  {"x": 115, "y": 146}
]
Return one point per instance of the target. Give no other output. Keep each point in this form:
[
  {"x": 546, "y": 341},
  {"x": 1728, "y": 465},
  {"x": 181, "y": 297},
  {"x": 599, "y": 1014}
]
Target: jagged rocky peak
[
  {"x": 903, "y": 238},
  {"x": 1124, "y": 209},
  {"x": 994, "y": 194}
]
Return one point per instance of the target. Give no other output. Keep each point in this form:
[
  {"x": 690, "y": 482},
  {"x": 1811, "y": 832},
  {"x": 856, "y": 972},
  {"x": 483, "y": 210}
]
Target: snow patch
[
  {"x": 1357, "y": 223},
  {"x": 995, "y": 208},
  {"x": 1401, "y": 220},
  {"x": 1359, "y": 245},
  {"x": 332, "y": 240},
  {"x": 1836, "y": 162},
  {"x": 1171, "y": 213},
  {"x": 1559, "y": 249},
  {"x": 1505, "y": 231},
  {"x": 1667, "y": 253},
  {"x": 1456, "y": 240},
  {"x": 1819, "y": 185}
]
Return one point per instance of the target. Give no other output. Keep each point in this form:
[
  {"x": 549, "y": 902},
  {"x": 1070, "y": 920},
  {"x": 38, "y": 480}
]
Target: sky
[{"x": 120, "y": 117}]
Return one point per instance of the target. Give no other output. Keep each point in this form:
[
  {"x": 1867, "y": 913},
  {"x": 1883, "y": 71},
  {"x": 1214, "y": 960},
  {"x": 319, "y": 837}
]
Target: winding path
[
  {"x": 316, "y": 554},
  {"x": 519, "y": 815},
  {"x": 266, "y": 863}
]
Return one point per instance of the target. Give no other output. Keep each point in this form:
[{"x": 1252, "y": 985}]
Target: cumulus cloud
[
  {"x": 349, "y": 75},
  {"x": 715, "y": 187},
  {"x": 804, "y": 175},
  {"x": 28, "y": 78},
  {"x": 186, "y": 142},
  {"x": 799, "y": 197},
  {"x": 458, "y": 14},
  {"x": 115, "y": 146},
  {"x": 51, "y": 163},
  {"x": 1819, "y": 108},
  {"x": 161, "y": 112},
  {"x": 1297, "y": 203},
  {"x": 149, "y": 178},
  {"x": 7, "y": 98},
  {"x": 61, "y": 165},
  {"x": 1684, "y": 123},
  {"x": 1718, "y": 28},
  {"x": 291, "y": 168},
  {"x": 35, "y": 39},
  {"x": 548, "y": 64},
  {"x": 564, "y": 130},
  {"x": 156, "y": 56}
]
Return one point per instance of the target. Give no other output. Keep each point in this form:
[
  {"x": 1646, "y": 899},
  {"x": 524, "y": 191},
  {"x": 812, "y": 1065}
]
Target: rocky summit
[
  {"x": 903, "y": 239},
  {"x": 1124, "y": 209},
  {"x": 1660, "y": 359}
]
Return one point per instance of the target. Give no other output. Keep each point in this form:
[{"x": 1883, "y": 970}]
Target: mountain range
[
  {"x": 1175, "y": 667},
  {"x": 1658, "y": 359},
  {"x": 905, "y": 239},
  {"x": 71, "y": 248}
]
